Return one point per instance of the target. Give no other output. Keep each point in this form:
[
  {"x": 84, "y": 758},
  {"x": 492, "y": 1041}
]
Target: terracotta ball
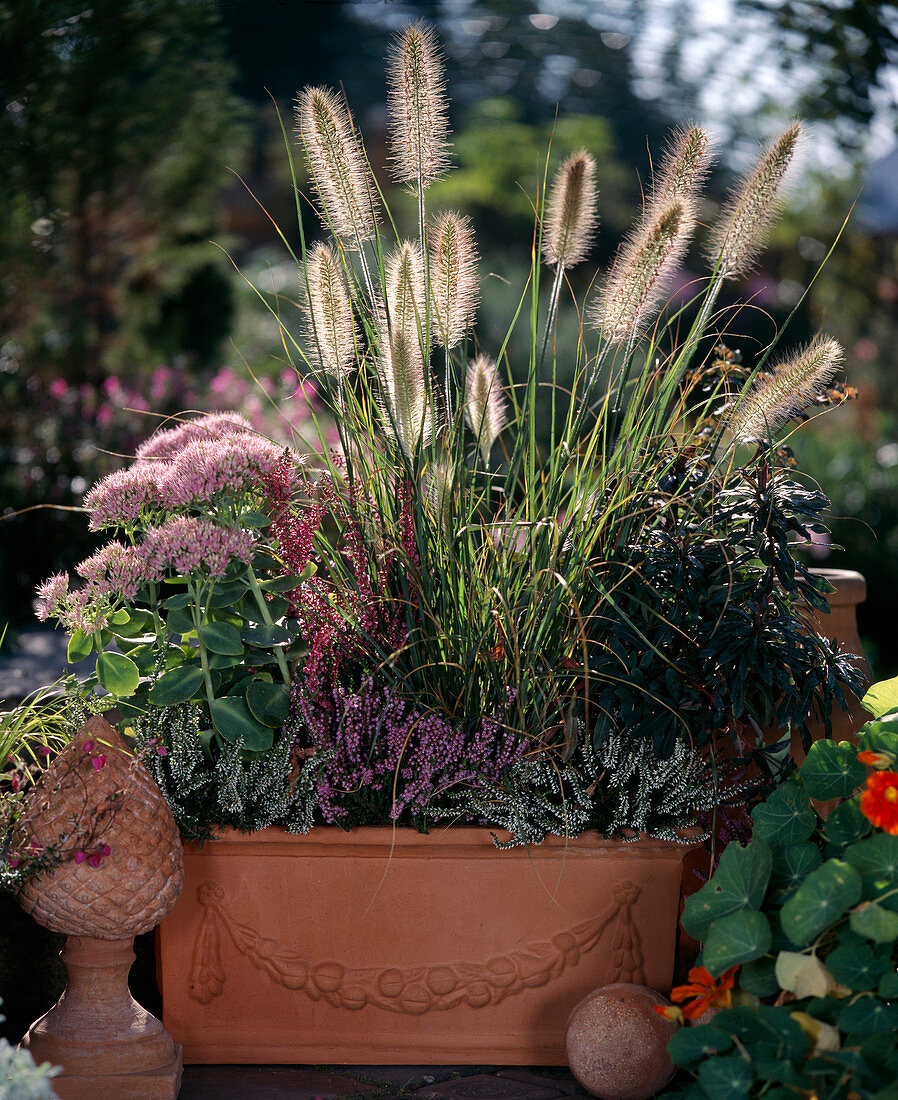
[{"x": 616, "y": 1042}]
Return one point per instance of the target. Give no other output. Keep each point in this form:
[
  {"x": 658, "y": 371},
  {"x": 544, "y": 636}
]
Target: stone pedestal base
[{"x": 108, "y": 1046}]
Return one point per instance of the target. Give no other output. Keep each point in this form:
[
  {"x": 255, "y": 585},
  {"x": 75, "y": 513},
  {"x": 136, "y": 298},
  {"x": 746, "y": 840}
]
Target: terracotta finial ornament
[{"x": 121, "y": 870}]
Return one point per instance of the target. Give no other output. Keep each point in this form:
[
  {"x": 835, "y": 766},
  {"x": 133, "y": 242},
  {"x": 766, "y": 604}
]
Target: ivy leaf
[
  {"x": 739, "y": 882},
  {"x": 118, "y": 674},
  {"x": 831, "y": 770},
  {"x": 874, "y": 923},
  {"x": 736, "y": 938},
  {"x": 785, "y": 817},
  {"x": 820, "y": 900}
]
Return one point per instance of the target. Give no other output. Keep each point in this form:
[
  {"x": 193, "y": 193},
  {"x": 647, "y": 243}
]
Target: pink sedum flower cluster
[
  {"x": 117, "y": 500},
  {"x": 206, "y": 467},
  {"x": 186, "y": 544}
]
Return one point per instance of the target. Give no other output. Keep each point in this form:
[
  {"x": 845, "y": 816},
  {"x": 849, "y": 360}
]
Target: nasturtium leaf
[
  {"x": 856, "y": 966},
  {"x": 791, "y": 866},
  {"x": 803, "y": 975},
  {"x": 877, "y": 855},
  {"x": 221, "y": 638},
  {"x": 785, "y": 817},
  {"x": 758, "y": 977},
  {"x": 881, "y": 697},
  {"x": 736, "y": 938},
  {"x": 832, "y": 770},
  {"x": 739, "y": 882},
  {"x": 118, "y": 674},
  {"x": 177, "y": 686},
  {"x": 81, "y": 645},
  {"x": 691, "y": 1045},
  {"x": 727, "y": 1075},
  {"x": 846, "y": 824},
  {"x": 764, "y": 1029},
  {"x": 874, "y": 922},
  {"x": 267, "y": 637},
  {"x": 868, "y": 1016},
  {"x": 234, "y": 722},
  {"x": 880, "y": 736},
  {"x": 268, "y": 702},
  {"x": 888, "y": 985},
  {"x": 821, "y": 899}
]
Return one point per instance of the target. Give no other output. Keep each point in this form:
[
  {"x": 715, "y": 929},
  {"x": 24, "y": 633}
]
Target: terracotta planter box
[{"x": 383, "y": 946}]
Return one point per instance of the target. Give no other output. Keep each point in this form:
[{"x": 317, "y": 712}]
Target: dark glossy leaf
[
  {"x": 877, "y": 855},
  {"x": 234, "y": 722},
  {"x": 820, "y": 900},
  {"x": 758, "y": 977},
  {"x": 726, "y": 1075},
  {"x": 267, "y": 637},
  {"x": 254, "y": 519},
  {"x": 868, "y": 1016},
  {"x": 178, "y": 602},
  {"x": 177, "y": 686},
  {"x": 875, "y": 923},
  {"x": 179, "y": 621},
  {"x": 221, "y": 638},
  {"x": 846, "y": 824},
  {"x": 856, "y": 966},
  {"x": 268, "y": 702},
  {"x": 282, "y": 584},
  {"x": 791, "y": 866},
  {"x": 137, "y": 623},
  {"x": 228, "y": 593}
]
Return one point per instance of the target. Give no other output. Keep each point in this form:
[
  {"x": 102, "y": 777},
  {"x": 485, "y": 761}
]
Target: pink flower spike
[
  {"x": 13, "y": 862},
  {"x": 94, "y": 860},
  {"x": 98, "y": 762},
  {"x": 88, "y": 746},
  {"x": 104, "y": 851},
  {"x": 162, "y": 751},
  {"x": 32, "y": 844},
  {"x": 80, "y": 857},
  {"x": 44, "y": 750}
]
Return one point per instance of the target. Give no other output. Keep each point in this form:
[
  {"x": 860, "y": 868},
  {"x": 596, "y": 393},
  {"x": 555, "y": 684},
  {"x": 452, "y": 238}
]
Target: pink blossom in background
[
  {"x": 59, "y": 387},
  {"x": 186, "y": 544}
]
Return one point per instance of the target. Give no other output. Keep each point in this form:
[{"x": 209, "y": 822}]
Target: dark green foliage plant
[{"x": 807, "y": 917}]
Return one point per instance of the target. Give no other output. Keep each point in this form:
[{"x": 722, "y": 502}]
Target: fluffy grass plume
[
  {"x": 328, "y": 310},
  {"x": 417, "y": 105},
  {"x": 339, "y": 170},
  {"x": 453, "y": 278},
  {"x": 640, "y": 273},
  {"x": 789, "y": 388},
  {"x": 486, "y": 410},
  {"x": 406, "y": 289},
  {"x": 683, "y": 167},
  {"x": 407, "y": 406},
  {"x": 741, "y": 230},
  {"x": 571, "y": 218}
]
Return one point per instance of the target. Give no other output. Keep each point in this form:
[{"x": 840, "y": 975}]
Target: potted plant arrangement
[
  {"x": 797, "y": 990},
  {"x": 453, "y": 690}
]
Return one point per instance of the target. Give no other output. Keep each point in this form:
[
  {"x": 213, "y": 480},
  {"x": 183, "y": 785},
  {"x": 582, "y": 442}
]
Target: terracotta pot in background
[{"x": 385, "y": 946}]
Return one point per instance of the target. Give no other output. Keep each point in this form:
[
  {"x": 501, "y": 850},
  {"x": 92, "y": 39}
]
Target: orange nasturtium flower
[
  {"x": 879, "y": 802},
  {"x": 706, "y": 992},
  {"x": 878, "y": 760}
]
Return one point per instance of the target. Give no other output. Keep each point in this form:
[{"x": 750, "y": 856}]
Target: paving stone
[
  {"x": 553, "y": 1077},
  {"x": 268, "y": 1083},
  {"x": 488, "y": 1087}
]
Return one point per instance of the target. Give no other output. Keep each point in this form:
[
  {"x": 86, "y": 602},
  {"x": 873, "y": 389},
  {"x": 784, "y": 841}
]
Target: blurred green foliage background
[{"x": 143, "y": 166}]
